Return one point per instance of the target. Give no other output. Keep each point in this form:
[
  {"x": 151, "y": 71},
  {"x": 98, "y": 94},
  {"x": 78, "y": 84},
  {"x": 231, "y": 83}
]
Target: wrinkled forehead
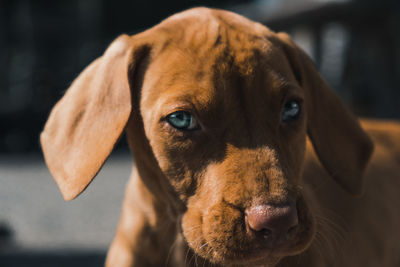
[{"x": 207, "y": 59}]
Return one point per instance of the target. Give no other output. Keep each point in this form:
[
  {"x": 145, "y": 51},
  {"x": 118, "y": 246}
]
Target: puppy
[{"x": 222, "y": 116}]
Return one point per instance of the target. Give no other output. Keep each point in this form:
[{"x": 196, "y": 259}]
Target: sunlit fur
[{"x": 185, "y": 202}]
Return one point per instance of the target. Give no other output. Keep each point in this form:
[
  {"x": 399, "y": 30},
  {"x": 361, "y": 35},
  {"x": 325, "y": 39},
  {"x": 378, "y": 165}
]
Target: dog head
[{"x": 217, "y": 110}]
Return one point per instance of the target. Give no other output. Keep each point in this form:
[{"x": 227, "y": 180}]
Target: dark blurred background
[{"x": 45, "y": 44}]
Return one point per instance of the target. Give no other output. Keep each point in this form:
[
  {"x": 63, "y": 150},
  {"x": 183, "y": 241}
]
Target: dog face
[
  {"x": 215, "y": 121},
  {"x": 217, "y": 110}
]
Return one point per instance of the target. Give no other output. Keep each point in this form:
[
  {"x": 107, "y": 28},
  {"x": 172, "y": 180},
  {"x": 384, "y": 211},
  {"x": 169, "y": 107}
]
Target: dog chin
[
  {"x": 253, "y": 257},
  {"x": 248, "y": 258}
]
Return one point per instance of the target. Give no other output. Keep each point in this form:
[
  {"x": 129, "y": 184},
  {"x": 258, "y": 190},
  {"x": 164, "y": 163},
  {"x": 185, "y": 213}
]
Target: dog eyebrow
[
  {"x": 184, "y": 100},
  {"x": 291, "y": 89},
  {"x": 284, "y": 85}
]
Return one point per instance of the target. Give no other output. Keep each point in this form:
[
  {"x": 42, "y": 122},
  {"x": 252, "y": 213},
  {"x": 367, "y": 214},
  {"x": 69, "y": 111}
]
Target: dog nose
[{"x": 271, "y": 222}]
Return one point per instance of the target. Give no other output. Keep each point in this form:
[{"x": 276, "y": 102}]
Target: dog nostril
[
  {"x": 292, "y": 229},
  {"x": 266, "y": 233}
]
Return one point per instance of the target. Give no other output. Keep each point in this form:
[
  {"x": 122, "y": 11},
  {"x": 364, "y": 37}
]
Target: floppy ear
[
  {"x": 338, "y": 139},
  {"x": 86, "y": 123}
]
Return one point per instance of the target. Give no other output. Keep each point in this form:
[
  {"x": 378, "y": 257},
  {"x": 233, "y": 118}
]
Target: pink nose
[{"x": 271, "y": 222}]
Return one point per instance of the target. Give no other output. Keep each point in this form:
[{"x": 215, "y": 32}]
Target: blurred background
[{"x": 45, "y": 44}]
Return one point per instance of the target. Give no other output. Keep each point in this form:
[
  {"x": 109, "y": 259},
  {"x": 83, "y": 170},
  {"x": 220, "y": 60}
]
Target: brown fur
[{"x": 185, "y": 201}]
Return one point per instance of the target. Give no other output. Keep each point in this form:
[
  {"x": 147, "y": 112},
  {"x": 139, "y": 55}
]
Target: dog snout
[{"x": 272, "y": 223}]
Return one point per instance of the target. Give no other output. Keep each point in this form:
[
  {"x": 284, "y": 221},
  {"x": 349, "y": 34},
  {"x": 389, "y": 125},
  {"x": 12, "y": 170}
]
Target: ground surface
[{"x": 38, "y": 228}]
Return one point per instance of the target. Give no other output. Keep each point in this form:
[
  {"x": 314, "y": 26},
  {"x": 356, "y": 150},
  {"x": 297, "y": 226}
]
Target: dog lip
[
  {"x": 256, "y": 256},
  {"x": 264, "y": 254}
]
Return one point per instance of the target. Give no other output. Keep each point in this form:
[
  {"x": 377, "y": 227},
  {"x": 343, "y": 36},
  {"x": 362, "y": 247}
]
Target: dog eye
[
  {"x": 182, "y": 120},
  {"x": 291, "y": 111}
]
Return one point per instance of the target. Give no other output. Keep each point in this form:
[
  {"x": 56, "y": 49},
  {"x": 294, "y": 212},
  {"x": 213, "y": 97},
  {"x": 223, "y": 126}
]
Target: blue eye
[
  {"x": 291, "y": 111},
  {"x": 182, "y": 120}
]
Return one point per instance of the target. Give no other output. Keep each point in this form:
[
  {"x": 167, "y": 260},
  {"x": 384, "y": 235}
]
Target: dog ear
[
  {"x": 86, "y": 123},
  {"x": 341, "y": 144}
]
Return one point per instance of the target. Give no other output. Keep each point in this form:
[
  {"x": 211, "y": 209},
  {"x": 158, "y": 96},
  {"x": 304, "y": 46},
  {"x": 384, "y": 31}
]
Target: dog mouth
[
  {"x": 254, "y": 255},
  {"x": 248, "y": 258},
  {"x": 221, "y": 237}
]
